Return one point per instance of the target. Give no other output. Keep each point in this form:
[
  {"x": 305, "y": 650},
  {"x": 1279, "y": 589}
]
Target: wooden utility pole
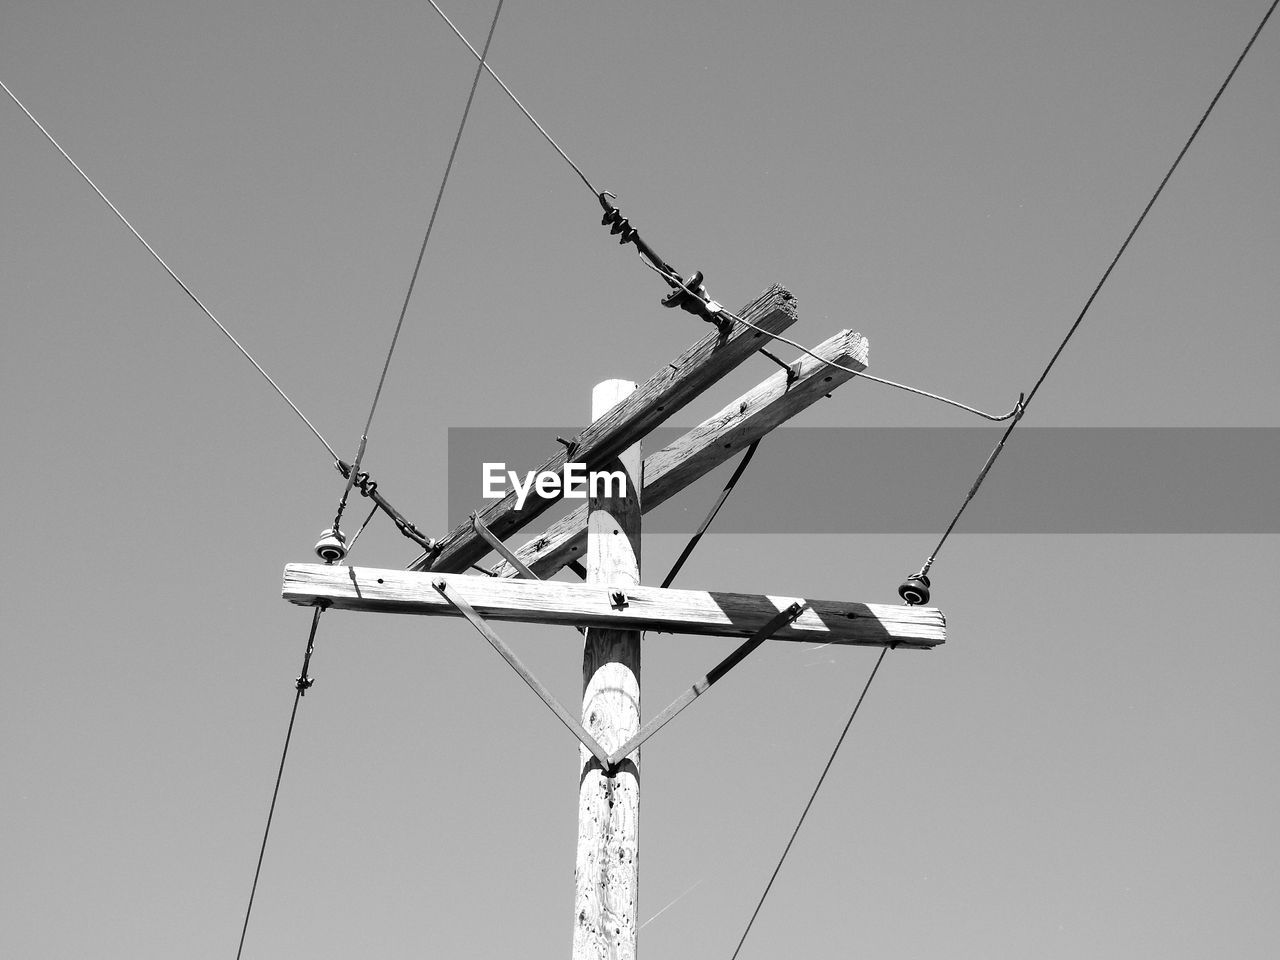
[
  {"x": 606, "y": 874},
  {"x": 611, "y": 606}
]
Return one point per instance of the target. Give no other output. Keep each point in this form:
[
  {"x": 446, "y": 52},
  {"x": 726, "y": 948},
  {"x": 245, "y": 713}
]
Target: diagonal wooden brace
[
  {"x": 460, "y": 604},
  {"x": 705, "y": 684}
]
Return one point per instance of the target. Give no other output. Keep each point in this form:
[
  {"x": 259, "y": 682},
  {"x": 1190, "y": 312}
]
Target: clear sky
[{"x": 1086, "y": 768}]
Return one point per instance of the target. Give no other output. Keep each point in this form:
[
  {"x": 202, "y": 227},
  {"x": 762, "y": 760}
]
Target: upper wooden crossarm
[{"x": 666, "y": 392}]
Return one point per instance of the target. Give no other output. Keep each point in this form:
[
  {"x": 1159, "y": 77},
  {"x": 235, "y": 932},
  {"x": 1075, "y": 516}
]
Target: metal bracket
[
  {"x": 702, "y": 686},
  {"x": 460, "y": 604},
  {"x": 487, "y": 535},
  {"x": 791, "y": 374}
]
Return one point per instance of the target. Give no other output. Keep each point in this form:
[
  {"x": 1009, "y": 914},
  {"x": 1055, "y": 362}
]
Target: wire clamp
[{"x": 692, "y": 296}]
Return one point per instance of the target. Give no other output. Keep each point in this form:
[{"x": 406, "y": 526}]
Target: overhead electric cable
[
  {"x": 302, "y": 685},
  {"x": 823, "y": 776},
  {"x": 866, "y": 376},
  {"x": 514, "y": 98},
  {"x": 417, "y": 266},
  {"x": 160, "y": 260},
  {"x": 1022, "y": 406},
  {"x": 664, "y": 270}
]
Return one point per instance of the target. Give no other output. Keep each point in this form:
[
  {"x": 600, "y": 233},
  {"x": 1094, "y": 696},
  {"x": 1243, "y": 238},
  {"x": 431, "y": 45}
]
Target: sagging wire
[
  {"x": 813, "y": 796},
  {"x": 687, "y": 293},
  {"x": 301, "y": 686},
  {"x": 683, "y": 290},
  {"x": 335, "y": 533},
  {"x": 514, "y": 99},
  {"x": 169, "y": 270},
  {"x": 718, "y": 310},
  {"x": 915, "y": 589}
]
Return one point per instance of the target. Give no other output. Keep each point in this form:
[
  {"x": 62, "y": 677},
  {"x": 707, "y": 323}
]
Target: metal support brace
[
  {"x": 791, "y": 374},
  {"x": 711, "y": 514},
  {"x": 507, "y": 554},
  {"x": 702, "y": 686},
  {"x": 460, "y": 604}
]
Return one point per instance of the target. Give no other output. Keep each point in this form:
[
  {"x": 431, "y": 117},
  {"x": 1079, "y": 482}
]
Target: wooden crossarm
[
  {"x": 595, "y": 605},
  {"x": 666, "y": 392},
  {"x": 708, "y": 445}
]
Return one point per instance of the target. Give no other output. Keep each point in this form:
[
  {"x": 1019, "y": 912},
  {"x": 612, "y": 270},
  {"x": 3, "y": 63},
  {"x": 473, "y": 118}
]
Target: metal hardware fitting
[{"x": 369, "y": 488}]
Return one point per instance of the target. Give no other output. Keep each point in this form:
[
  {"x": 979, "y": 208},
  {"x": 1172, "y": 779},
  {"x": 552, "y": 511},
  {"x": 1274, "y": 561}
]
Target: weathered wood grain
[
  {"x": 647, "y": 608},
  {"x": 666, "y": 392},
  {"x": 706, "y": 446},
  {"x": 606, "y": 889}
]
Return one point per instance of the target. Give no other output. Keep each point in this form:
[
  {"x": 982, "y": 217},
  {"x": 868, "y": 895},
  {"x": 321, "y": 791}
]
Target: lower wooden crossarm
[{"x": 709, "y": 613}]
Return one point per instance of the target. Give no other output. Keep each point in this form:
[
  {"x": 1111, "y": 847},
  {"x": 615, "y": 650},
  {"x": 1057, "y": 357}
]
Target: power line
[
  {"x": 823, "y": 776},
  {"x": 160, "y": 260},
  {"x": 417, "y": 267},
  {"x": 302, "y": 686},
  {"x": 674, "y": 280},
  {"x": 999, "y": 447},
  {"x": 1018, "y": 412},
  {"x": 514, "y": 98},
  {"x": 997, "y": 418}
]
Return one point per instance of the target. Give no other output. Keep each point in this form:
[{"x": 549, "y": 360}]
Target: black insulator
[
  {"x": 332, "y": 546},
  {"x": 915, "y": 590}
]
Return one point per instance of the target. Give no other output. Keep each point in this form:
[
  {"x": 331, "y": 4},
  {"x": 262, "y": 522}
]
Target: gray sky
[{"x": 1086, "y": 768}]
